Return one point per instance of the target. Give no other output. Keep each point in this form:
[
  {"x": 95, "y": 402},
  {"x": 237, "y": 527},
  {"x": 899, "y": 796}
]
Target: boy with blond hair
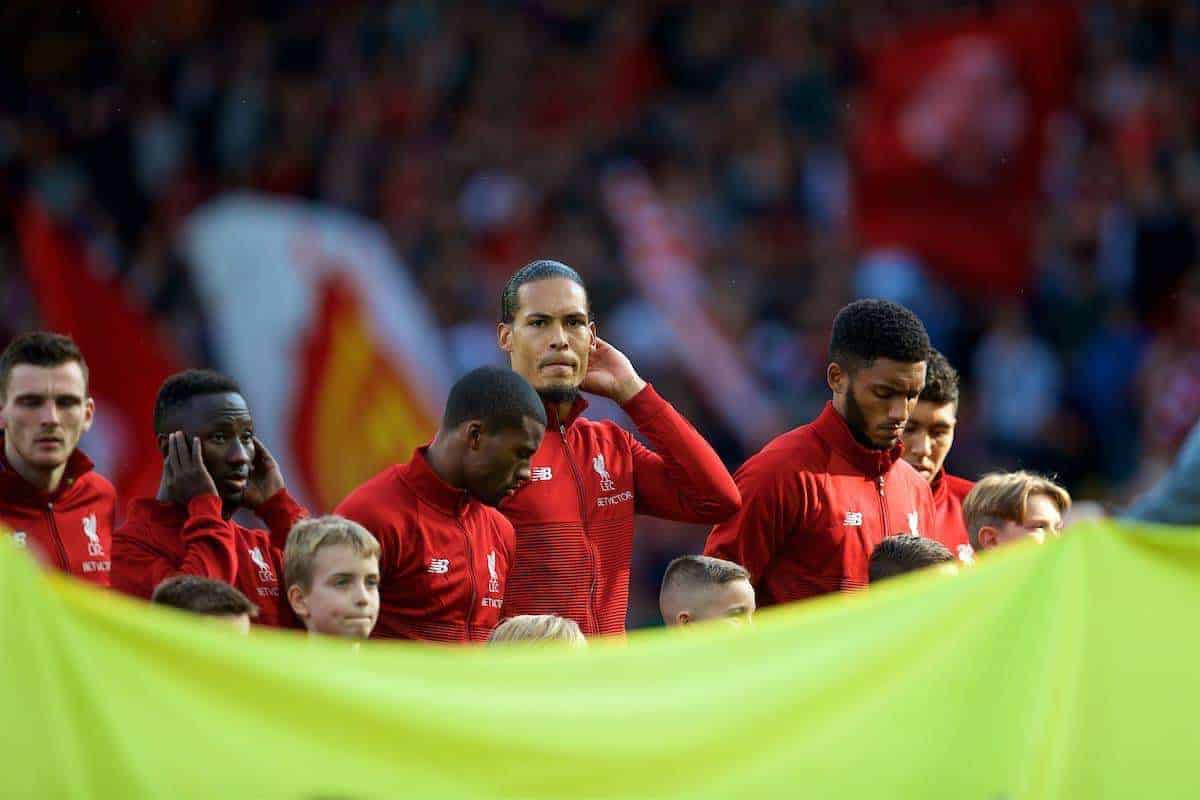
[
  {"x": 535, "y": 627},
  {"x": 1009, "y": 506},
  {"x": 331, "y": 568}
]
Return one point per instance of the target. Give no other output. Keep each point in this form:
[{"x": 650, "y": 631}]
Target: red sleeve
[
  {"x": 362, "y": 510},
  {"x": 773, "y": 505},
  {"x": 280, "y": 511},
  {"x": 209, "y": 551},
  {"x": 682, "y": 478}
]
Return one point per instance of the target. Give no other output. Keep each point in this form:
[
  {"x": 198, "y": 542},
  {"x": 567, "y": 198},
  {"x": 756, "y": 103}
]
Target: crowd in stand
[{"x": 476, "y": 134}]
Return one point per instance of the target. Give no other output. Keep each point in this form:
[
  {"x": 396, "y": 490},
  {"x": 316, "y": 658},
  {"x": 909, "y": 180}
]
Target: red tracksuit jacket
[
  {"x": 159, "y": 540},
  {"x": 814, "y": 505},
  {"x": 574, "y": 519},
  {"x": 70, "y": 528},
  {"x": 444, "y": 555},
  {"x": 950, "y": 526}
]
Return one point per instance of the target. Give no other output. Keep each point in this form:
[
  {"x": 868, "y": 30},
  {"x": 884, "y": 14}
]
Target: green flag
[{"x": 1067, "y": 670}]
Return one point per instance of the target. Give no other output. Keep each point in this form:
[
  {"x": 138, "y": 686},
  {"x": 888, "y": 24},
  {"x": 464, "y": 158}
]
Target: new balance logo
[
  {"x": 439, "y": 566},
  {"x": 19, "y": 537},
  {"x": 853, "y": 518},
  {"x": 541, "y": 474}
]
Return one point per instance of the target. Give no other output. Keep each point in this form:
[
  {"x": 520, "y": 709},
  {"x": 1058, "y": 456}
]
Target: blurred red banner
[
  {"x": 948, "y": 148},
  {"x": 127, "y": 357}
]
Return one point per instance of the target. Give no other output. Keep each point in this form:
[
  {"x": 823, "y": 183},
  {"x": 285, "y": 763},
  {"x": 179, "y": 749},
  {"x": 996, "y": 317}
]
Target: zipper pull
[
  {"x": 881, "y": 486},
  {"x": 562, "y": 431}
]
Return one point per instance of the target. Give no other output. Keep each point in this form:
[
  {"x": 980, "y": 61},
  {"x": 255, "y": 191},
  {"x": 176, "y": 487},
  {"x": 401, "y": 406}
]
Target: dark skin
[
  {"x": 212, "y": 450},
  {"x": 876, "y": 399},
  {"x": 488, "y": 465}
]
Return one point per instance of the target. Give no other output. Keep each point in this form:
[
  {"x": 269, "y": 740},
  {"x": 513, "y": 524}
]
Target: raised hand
[
  {"x": 265, "y": 478},
  {"x": 184, "y": 474},
  {"x": 610, "y": 374}
]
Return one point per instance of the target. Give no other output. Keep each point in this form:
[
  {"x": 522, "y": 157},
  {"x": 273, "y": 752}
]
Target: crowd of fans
[{"x": 476, "y": 135}]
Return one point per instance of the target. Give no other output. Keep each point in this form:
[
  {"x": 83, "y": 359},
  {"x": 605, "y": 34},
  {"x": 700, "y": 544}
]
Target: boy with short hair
[
  {"x": 699, "y": 588},
  {"x": 1009, "y": 506},
  {"x": 206, "y": 596},
  {"x": 331, "y": 569},
  {"x": 897, "y": 555}
]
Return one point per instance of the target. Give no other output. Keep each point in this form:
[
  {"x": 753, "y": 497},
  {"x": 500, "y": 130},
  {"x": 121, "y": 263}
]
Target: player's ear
[
  {"x": 473, "y": 433},
  {"x": 837, "y": 378},
  {"x": 595, "y": 335},
  {"x": 683, "y": 618},
  {"x": 504, "y": 336},
  {"x": 89, "y": 413},
  {"x": 298, "y": 602},
  {"x": 988, "y": 537},
  {"x": 162, "y": 439}
]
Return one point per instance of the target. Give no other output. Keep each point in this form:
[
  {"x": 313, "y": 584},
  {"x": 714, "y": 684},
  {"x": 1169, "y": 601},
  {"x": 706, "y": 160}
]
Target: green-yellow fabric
[{"x": 1068, "y": 670}]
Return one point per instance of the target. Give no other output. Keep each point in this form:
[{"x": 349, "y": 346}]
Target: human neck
[
  {"x": 443, "y": 463},
  {"x": 46, "y": 481},
  {"x": 561, "y": 400}
]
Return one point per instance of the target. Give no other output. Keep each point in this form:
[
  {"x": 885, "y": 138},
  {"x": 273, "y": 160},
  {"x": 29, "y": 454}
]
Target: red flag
[
  {"x": 126, "y": 356},
  {"x": 947, "y": 154}
]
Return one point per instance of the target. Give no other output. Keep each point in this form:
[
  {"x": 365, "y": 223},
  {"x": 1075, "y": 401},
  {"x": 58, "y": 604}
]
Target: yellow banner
[{"x": 1070, "y": 670}]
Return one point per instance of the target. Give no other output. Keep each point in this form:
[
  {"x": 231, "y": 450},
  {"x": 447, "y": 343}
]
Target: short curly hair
[
  {"x": 941, "y": 380},
  {"x": 181, "y": 387},
  {"x": 541, "y": 270},
  {"x": 869, "y": 329}
]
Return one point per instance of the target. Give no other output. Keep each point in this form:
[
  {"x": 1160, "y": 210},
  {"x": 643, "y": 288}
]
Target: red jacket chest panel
[
  {"x": 72, "y": 532},
  {"x": 585, "y": 476}
]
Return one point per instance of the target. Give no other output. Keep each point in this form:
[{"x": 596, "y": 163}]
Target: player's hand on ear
[
  {"x": 610, "y": 374},
  {"x": 184, "y": 473},
  {"x": 265, "y": 478}
]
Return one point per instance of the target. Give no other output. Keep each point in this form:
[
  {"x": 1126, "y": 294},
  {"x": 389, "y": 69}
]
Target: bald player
[{"x": 700, "y": 588}]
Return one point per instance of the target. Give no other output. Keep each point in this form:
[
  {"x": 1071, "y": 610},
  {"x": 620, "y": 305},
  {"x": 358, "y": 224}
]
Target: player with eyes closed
[{"x": 818, "y": 499}]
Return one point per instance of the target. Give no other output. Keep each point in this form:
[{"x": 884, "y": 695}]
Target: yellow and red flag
[{"x": 335, "y": 350}]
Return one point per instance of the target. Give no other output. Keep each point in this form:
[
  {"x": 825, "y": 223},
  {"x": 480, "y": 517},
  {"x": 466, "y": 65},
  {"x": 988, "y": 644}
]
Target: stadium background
[{"x": 771, "y": 143}]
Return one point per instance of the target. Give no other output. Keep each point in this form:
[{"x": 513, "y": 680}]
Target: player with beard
[
  {"x": 819, "y": 498},
  {"x": 928, "y": 437},
  {"x": 213, "y": 465},
  {"x": 574, "y": 519}
]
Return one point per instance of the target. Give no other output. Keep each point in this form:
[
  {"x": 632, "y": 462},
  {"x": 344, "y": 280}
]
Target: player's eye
[{"x": 217, "y": 437}]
